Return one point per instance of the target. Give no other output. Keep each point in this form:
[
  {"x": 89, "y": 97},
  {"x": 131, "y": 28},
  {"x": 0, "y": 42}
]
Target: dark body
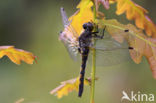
[{"x": 84, "y": 44}]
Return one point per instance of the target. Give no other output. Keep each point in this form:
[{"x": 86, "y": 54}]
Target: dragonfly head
[{"x": 88, "y": 26}]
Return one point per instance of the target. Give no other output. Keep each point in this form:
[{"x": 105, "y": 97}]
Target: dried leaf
[
  {"x": 68, "y": 86},
  {"x": 150, "y": 53},
  {"x": 143, "y": 45},
  {"x": 105, "y": 3},
  {"x": 137, "y": 13},
  {"x": 20, "y": 100},
  {"x": 16, "y": 55}
]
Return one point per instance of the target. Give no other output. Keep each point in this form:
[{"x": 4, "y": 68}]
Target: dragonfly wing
[
  {"x": 110, "y": 52},
  {"x": 114, "y": 57},
  {"x": 64, "y": 17},
  {"x": 69, "y": 37}
]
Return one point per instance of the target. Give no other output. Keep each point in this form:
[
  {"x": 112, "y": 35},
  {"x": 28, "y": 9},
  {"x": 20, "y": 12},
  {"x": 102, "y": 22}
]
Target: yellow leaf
[
  {"x": 68, "y": 86},
  {"x": 82, "y": 16},
  {"x": 16, "y": 55},
  {"x": 137, "y": 13}
]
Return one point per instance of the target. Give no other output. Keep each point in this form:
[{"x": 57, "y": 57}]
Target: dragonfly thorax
[{"x": 86, "y": 35}]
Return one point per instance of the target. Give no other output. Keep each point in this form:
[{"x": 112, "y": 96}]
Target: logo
[{"x": 137, "y": 97}]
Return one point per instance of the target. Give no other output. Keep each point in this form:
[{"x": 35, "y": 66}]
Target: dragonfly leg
[
  {"x": 95, "y": 33},
  {"x": 79, "y": 50},
  {"x": 98, "y": 36},
  {"x": 103, "y": 32}
]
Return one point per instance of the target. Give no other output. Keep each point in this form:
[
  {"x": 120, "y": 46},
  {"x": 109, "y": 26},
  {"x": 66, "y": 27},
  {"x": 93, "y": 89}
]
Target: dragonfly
[{"x": 80, "y": 45}]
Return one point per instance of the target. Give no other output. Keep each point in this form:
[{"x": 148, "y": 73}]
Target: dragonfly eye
[
  {"x": 84, "y": 26},
  {"x": 88, "y": 26}
]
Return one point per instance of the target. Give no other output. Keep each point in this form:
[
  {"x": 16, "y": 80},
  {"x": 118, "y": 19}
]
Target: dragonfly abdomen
[{"x": 85, "y": 53}]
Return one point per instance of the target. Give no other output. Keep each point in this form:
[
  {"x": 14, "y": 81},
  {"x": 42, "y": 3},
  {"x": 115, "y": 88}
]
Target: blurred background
[{"x": 34, "y": 25}]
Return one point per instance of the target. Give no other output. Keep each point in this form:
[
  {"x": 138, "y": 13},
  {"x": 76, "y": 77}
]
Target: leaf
[
  {"x": 142, "y": 44},
  {"x": 105, "y": 3},
  {"x": 20, "y": 100},
  {"x": 68, "y": 86},
  {"x": 16, "y": 55},
  {"x": 82, "y": 16},
  {"x": 137, "y": 13},
  {"x": 150, "y": 53}
]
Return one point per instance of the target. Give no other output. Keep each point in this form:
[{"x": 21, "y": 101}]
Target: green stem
[
  {"x": 93, "y": 75},
  {"x": 93, "y": 64}
]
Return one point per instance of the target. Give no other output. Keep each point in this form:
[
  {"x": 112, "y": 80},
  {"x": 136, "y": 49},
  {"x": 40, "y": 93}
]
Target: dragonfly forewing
[
  {"x": 64, "y": 17},
  {"x": 69, "y": 37}
]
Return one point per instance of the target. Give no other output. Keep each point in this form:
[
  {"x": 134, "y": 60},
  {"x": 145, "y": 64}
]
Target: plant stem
[
  {"x": 93, "y": 75},
  {"x": 93, "y": 64}
]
